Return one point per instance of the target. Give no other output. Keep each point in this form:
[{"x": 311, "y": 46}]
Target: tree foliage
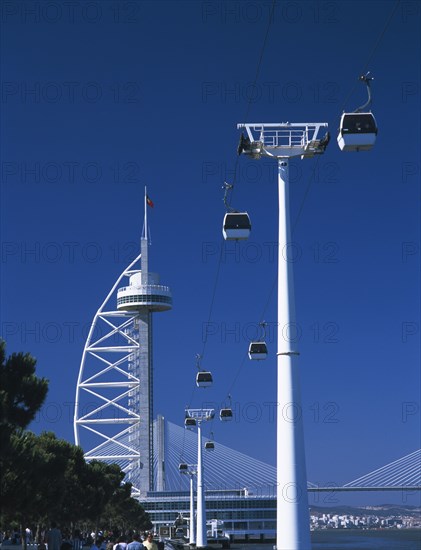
[
  {"x": 43, "y": 477},
  {"x": 21, "y": 394},
  {"x": 122, "y": 512}
]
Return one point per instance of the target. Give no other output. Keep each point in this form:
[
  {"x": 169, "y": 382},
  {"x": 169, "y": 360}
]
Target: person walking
[
  {"x": 54, "y": 538},
  {"x": 135, "y": 544},
  {"x": 121, "y": 543},
  {"x": 77, "y": 543},
  {"x": 149, "y": 543}
]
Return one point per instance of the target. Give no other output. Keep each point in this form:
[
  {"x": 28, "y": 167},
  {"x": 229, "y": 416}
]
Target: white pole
[
  {"x": 191, "y": 527},
  {"x": 145, "y": 223},
  {"x": 144, "y": 245},
  {"x": 292, "y": 521},
  {"x": 201, "y": 541}
]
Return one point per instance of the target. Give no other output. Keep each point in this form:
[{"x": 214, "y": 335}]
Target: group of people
[
  {"x": 136, "y": 543},
  {"x": 55, "y": 540}
]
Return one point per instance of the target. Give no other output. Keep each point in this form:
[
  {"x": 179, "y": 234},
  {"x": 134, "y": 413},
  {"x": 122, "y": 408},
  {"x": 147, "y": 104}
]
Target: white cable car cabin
[
  {"x": 190, "y": 422},
  {"x": 204, "y": 379},
  {"x": 357, "y": 132},
  {"x": 225, "y": 414},
  {"x": 209, "y": 445},
  {"x": 183, "y": 468},
  {"x": 258, "y": 350},
  {"x": 236, "y": 226}
]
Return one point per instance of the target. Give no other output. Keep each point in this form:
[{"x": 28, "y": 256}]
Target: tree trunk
[
  {"x": 23, "y": 536},
  {"x": 38, "y": 534}
]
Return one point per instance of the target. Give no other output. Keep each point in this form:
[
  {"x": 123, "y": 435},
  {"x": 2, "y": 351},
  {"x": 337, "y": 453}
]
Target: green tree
[
  {"x": 43, "y": 477},
  {"x": 101, "y": 482},
  {"x": 21, "y": 395},
  {"x": 124, "y": 513},
  {"x": 61, "y": 468}
]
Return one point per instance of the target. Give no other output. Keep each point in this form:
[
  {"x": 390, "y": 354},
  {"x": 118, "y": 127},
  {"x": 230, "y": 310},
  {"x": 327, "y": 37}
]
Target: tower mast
[
  {"x": 114, "y": 393},
  {"x": 144, "y": 242}
]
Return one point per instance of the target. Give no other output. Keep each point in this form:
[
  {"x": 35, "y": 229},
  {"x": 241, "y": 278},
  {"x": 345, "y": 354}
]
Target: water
[
  {"x": 408, "y": 539},
  {"x": 369, "y": 540}
]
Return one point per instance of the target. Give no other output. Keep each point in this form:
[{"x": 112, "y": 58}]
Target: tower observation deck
[{"x": 113, "y": 419}]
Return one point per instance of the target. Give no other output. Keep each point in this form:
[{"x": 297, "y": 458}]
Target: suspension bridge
[{"x": 227, "y": 469}]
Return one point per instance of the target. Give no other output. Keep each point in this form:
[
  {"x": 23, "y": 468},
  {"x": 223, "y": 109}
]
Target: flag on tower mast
[{"x": 149, "y": 202}]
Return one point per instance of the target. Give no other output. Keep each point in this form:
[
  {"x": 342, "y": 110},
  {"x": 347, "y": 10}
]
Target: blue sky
[{"x": 100, "y": 99}]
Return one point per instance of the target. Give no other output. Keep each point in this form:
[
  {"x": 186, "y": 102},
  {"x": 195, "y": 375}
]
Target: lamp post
[
  {"x": 281, "y": 141},
  {"x": 200, "y": 415}
]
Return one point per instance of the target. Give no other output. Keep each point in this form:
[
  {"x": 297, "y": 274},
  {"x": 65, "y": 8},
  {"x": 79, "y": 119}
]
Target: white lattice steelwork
[{"x": 114, "y": 393}]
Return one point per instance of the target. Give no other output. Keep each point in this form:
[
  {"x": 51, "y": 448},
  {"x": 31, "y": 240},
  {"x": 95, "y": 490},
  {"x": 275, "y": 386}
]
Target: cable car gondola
[
  {"x": 226, "y": 414},
  {"x": 190, "y": 422},
  {"x": 258, "y": 350},
  {"x": 210, "y": 444},
  {"x": 358, "y": 130},
  {"x": 204, "y": 379},
  {"x": 236, "y": 226}
]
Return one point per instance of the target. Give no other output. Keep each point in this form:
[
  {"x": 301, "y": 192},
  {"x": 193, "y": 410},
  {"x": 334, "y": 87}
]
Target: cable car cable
[
  {"x": 373, "y": 51},
  {"x": 218, "y": 269},
  {"x": 259, "y": 64},
  {"x": 231, "y": 186},
  {"x": 315, "y": 166},
  {"x": 231, "y": 189},
  {"x": 269, "y": 298}
]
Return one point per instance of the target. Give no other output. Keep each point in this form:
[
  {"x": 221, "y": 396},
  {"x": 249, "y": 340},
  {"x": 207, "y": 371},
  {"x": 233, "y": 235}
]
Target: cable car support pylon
[{"x": 281, "y": 141}]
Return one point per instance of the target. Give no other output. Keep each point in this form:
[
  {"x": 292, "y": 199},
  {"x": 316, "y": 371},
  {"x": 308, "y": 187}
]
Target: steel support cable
[
  {"x": 256, "y": 474},
  {"x": 370, "y": 57},
  {"x": 236, "y": 163},
  {"x": 395, "y": 473},
  {"x": 401, "y": 477},
  {"x": 238, "y": 468},
  {"x": 234, "y": 180},
  {"x": 215, "y": 285},
  {"x": 259, "y": 64},
  {"x": 374, "y": 49},
  {"x": 224, "y": 466},
  {"x": 235, "y": 463},
  {"x": 263, "y": 314},
  {"x": 388, "y": 470},
  {"x": 316, "y": 163},
  {"x": 383, "y": 473}
]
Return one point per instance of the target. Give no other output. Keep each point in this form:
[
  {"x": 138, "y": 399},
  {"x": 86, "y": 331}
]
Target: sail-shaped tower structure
[{"x": 113, "y": 419}]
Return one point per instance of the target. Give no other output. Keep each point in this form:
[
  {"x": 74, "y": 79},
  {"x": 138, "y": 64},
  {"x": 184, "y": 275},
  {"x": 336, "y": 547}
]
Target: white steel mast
[
  {"x": 281, "y": 141},
  {"x": 200, "y": 415}
]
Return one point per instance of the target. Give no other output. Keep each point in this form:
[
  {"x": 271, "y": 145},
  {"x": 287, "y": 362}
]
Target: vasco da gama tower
[{"x": 113, "y": 418}]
